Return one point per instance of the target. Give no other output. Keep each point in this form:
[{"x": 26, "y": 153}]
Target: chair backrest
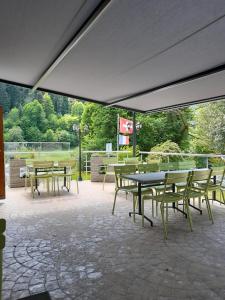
[
  {"x": 109, "y": 160},
  {"x": 123, "y": 170},
  {"x": 168, "y": 166},
  {"x": 131, "y": 160},
  {"x": 201, "y": 176},
  {"x": 177, "y": 177},
  {"x": 147, "y": 168},
  {"x": 219, "y": 172},
  {"x": 43, "y": 164},
  {"x": 67, "y": 163},
  {"x": 186, "y": 165}
]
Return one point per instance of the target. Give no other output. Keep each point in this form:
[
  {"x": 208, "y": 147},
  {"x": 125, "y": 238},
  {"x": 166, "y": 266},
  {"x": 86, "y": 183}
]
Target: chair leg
[
  {"x": 103, "y": 185},
  {"x": 47, "y": 184},
  {"x": 222, "y": 194},
  {"x": 166, "y": 212},
  {"x": 209, "y": 209},
  {"x": 199, "y": 203},
  {"x": 188, "y": 213},
  {"x": 153, "y": 211},
  {"x": 134, "y": 206},
  {"x": 57, "y": 183},
  {"x": 142, "y": 212},
  {"x": 77, "y": 187},
  {"x": 114, "y": 202},
  {"x": 163, "y": 221}
]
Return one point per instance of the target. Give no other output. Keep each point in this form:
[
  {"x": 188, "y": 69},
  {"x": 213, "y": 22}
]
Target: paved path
[{"x": 73, "y": 247}]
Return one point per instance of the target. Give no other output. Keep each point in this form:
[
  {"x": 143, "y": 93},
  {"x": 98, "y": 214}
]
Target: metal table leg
[{"x": 139, "y": 206}]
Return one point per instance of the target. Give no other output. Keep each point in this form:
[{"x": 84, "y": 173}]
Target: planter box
[{"x": 97, "y": 173}]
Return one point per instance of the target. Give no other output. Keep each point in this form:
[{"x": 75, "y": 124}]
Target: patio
[{"x": 71, "y": 246}]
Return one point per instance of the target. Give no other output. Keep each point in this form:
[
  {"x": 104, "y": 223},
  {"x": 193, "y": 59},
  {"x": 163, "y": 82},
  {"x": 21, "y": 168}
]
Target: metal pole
[
  {"x": 79, "y": 177},
  {"x": 134, "y": 134}
]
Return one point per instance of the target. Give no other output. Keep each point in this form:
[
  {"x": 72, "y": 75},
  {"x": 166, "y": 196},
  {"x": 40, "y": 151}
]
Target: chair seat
[
  {"x": 162, "y": 187},
  {"x": 211, "y": 186},
  {"x": 41, "y": 176},
  {"x": 169, "y": 197},
  {"x": 110, "y": 173}
]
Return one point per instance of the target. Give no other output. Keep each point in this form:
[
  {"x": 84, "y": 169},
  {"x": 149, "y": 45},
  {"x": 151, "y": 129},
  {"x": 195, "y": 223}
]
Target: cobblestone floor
[{"x": 71, "y": 246}]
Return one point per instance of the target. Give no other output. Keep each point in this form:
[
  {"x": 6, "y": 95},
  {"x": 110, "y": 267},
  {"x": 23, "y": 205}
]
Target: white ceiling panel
[{"x": 131, "y": 47}]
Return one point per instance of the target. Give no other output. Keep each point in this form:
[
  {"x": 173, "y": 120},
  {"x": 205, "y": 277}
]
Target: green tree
[
  {"x": 14, "y": 134},
  {"x": 4, "y": 98},
  {"x": 50, "y": 136},
  {"x": 208, "y": 129},
  {"x": 47, "y": 105},
  {"x": 77, "y": 108},
  {"x": 33, "y": 119},
  {"x": 13, "y": 118}
]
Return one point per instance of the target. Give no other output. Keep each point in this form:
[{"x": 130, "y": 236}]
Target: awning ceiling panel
[{"x": 132, "y": 47}]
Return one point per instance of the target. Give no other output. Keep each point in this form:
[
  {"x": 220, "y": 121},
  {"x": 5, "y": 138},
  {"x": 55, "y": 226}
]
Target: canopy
[{"x": 142, "y": 55}]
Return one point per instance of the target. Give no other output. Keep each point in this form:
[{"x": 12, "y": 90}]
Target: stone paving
[{"x": 71, "y": 246}]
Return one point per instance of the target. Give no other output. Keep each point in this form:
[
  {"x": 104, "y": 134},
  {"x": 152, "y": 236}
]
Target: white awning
[{"x": 143, "y": 55}]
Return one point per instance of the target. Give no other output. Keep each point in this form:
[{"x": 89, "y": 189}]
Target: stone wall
[
  {"x": 14, "y": 173},
  {"x": 96, "y": 162}
]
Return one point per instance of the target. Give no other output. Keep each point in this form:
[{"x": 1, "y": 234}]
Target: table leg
[
  {"x": 139, "y": 206},
  {"x": 36, "y": 181}
]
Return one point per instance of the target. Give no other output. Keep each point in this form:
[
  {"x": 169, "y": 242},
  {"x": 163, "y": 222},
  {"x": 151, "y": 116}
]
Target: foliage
[
  {"x": 166, "y": 147},
  {"x": 209, "y": 128},
  {"x": 14, "y": 134}
]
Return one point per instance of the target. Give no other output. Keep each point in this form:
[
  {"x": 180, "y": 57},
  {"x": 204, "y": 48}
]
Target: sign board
[{"x": 108, "y": 147}]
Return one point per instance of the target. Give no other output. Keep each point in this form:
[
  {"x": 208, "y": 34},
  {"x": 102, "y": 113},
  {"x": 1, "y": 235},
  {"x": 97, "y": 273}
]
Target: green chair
[
  {"x": 131, "y": 161},
  {"x": 168, "y": 166},
  {"x": 45, "y": 173},
  {"x": 169, "y": 197},
  {"x": 199, "y": 187},
  {"x": 125, "y": 186},
  {"x": 147, "y": 168},
  {"x": 70, "y": 167},
  {"x": 186, "y": 165},
  {"x": 2, "y": 246},
  {"x": 219, "y": 173},
  {"x": 108, "y": 170}
]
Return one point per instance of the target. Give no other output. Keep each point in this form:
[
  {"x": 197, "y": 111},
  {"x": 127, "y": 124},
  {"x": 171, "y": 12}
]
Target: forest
[{"x": 41, "y": 116}]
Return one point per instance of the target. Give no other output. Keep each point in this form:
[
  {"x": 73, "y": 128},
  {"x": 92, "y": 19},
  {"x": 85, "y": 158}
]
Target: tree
[
  {"x": 4, "y": 98},
  {"x": 33, "y": 119},
  {"x": 166, "y": 147},
  {"x": 15, "y": 134},
  {"x": 13, "y": 118},
  {"x": 47, "y": 105},
  {"x": 77, "y": 108},
  {"x": 50, "y": 136},
  {"x": 209, "y": 128}
]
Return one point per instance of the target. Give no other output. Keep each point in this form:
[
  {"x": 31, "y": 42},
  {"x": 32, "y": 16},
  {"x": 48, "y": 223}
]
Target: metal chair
[
  {"x": 109, "y": 171},
  {"x": 45, "y": 173},
  {"x": 199, "y": 187},
  {"x": 167, "y": 197},
  {"x": 68, "y": 173}
]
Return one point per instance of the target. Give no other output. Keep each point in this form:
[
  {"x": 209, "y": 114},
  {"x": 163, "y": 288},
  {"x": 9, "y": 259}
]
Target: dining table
[{"x": 153, "y": 179}]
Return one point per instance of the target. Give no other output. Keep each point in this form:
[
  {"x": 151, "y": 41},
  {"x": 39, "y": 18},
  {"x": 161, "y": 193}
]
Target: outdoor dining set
[
  {"x": 172, "y": 188},
  {"x": 50, "y": 173}
]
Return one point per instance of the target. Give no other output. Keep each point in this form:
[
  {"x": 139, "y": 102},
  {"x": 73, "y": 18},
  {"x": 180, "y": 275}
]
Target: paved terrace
[{"x": 73, "y": 247}]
